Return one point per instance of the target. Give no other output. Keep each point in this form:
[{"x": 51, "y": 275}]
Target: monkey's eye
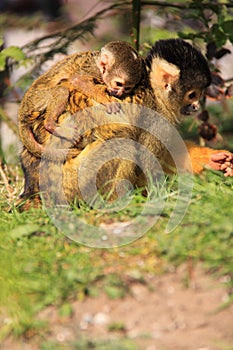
[
  {"x": 119, "y": 84},
  {"x": 192, "y": 95}
]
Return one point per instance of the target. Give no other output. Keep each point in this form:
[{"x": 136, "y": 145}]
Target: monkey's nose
[
  {"x": 113, "y": 92},
  {"x": 195, "y": 107}
]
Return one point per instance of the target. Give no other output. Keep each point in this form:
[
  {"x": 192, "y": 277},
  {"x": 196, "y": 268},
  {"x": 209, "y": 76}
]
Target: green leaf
[
  {"x": 228, "y": 27},
  {"x": 189, "y": 36},
  {"x": 220, "y": 36},
  {"x": 24, "y": 230},
  {"x": 14, "y": 52},
  {"x": 2, "y": 62},
  {"x": 231, "y": 38}
]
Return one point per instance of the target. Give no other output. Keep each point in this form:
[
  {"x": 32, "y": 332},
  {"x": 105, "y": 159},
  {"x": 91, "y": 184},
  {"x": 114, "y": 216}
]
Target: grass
[
  {"x": 84, "y": 344},
  {"x": 40, "y": 266}
]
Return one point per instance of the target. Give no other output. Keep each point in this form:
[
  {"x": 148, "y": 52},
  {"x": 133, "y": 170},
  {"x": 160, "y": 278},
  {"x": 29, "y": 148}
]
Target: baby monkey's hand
[{"x": 113, "y": 107}]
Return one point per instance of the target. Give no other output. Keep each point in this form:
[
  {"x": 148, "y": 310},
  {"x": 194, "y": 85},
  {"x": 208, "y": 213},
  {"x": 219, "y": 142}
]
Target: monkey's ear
[
  {"x": 106, "y": 60},
  {"x": 163, "y": 73}
]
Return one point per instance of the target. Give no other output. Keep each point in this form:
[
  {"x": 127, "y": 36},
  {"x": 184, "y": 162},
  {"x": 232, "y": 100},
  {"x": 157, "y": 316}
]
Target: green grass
[
  {"x": 84, "y": 344},
  {"x": 40, "y": 266}
]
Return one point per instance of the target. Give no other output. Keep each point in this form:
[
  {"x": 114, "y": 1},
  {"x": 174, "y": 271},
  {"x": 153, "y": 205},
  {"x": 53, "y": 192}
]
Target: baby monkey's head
[
  {"x": 120, "y": 67},
  {"x": 181, "y": 71}
]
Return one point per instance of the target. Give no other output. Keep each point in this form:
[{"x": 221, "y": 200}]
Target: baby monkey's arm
[
  {"x": 59, "y": 99},
  {"x": 95, "y": 89}
]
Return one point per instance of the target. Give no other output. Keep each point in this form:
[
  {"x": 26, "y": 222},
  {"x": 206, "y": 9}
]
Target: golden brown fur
[{"x": 169, "y": 92}]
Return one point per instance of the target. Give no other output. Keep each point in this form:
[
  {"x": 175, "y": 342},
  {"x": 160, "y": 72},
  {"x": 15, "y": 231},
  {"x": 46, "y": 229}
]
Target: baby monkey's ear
[
  {"x": 106, "y": 60},
  {"x": 163, "y": 74}
]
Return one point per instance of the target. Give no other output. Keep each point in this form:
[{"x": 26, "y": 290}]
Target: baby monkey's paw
[
  {"x": 113, "y": 107},
  {"x": 222, "y": 161}
]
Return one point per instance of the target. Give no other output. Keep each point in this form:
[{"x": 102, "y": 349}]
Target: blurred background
[{"x": 36, "y": 34}]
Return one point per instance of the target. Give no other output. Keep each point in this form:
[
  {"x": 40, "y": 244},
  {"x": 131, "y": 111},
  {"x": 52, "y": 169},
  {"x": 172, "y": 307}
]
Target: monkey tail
[{"x": 50, "y": 153}]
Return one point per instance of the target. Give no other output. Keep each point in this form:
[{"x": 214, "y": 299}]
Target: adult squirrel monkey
[
  {"x": 177, "y": 76},
  {"x": 174, "y": 76}
]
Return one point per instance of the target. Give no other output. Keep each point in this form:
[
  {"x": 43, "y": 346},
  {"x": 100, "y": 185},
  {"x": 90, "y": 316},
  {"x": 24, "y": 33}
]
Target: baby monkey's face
[
  {"x": 120, "y": 67},
  {"x": 118, "y": 84},
  {"x": 191, "y": 102}
]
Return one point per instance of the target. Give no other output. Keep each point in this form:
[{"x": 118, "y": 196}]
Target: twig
[
  {"x": 75, "y": 31},
  {"x": 182, "y": 6},
  {"x": 5, "y": 181},
  {"x": 228, "y": 80},
  {"x": 136, "y": 14},
  {"x": 62, "y": 39}
]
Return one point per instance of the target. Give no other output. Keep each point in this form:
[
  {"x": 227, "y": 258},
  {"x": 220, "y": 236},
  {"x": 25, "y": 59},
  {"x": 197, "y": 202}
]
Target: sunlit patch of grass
[{"x": 40, "y": 266}]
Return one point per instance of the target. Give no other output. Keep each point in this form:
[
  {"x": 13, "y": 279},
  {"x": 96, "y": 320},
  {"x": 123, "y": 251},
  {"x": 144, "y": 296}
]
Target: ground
[{"x": 161, "y": 313}]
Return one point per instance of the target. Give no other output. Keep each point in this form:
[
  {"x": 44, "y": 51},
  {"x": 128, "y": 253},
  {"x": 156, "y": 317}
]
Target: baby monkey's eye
[{"x": 118, "y": 83}]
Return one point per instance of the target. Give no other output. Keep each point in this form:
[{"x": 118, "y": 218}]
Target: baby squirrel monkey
[
  {"x": 117, "y": 65},
  {"x": 120, "y": 68}
]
